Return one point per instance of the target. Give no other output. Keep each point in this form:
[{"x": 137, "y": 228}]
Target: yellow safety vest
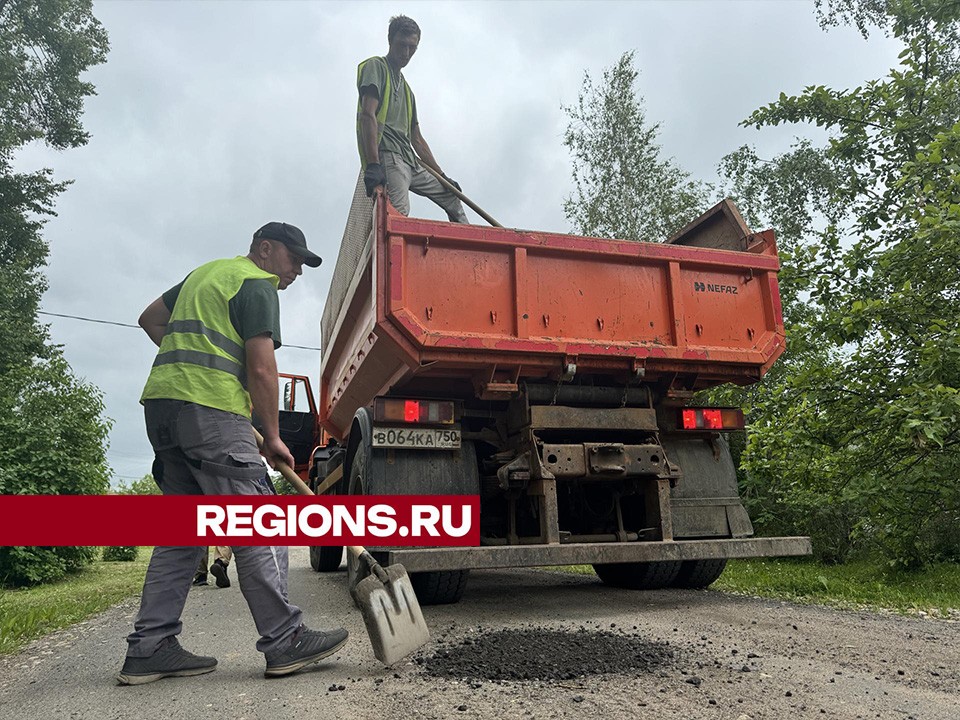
[
  {"x": 202, "y": 356},
  {"x": 384, "y": 104}
]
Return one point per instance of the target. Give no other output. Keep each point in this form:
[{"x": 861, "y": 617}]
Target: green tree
[
  {"x": 861, "y": 425},
  {"x": 623, "y": 186},
  {"x": 144, "y": 486},
  {"x": 52, "y": 433}
]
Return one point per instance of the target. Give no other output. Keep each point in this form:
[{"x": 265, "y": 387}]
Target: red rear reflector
[
  {"x": 400, "y": 410},
  {"x": 411, "y": 411},
  {"x": 711, "y": 419}
]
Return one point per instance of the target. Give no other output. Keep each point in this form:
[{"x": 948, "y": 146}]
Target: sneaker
[
  {"x": 219, "y": 571},
  {"x": 306, "y": 647},
  {"x": 170, "y": 660},
  {"x": 200, "y": 579}
]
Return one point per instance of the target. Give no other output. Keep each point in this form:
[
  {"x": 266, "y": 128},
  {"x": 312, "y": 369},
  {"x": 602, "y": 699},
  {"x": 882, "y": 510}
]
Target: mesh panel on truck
[{"x": 356, "y": 237}]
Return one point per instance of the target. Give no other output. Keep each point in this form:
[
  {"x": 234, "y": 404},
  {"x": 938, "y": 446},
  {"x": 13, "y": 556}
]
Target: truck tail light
[
  {"x": 711, "y": 419},
  {"x": 399, "y": 410}
]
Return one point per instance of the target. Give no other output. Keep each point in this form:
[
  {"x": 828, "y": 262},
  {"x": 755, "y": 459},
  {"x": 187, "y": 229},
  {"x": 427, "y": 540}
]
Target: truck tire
[
  {"x": 440, "y": 587},
  {"x": 639, "y": 575},
  {"x": 326, "y": 558},
  {"x": 696, "y": 574}
]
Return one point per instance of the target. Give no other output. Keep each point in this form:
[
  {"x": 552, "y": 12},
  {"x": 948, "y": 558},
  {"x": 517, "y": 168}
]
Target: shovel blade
[{"x": 392, "y": 615}]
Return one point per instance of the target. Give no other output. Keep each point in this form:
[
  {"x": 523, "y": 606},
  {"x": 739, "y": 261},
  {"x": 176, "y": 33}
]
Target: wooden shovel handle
[
  {"x": 467, "y": 201},
  {"x": 291, "y": 477},
  {"x": 288, "y": 474}
]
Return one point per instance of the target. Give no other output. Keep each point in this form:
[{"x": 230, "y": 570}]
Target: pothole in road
[{"x": 545, "y": 654}]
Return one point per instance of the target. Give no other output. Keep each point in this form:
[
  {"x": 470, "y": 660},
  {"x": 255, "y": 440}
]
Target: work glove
[
  {"x": 454, "y": 183},
  {"x": 373, "y": 176}
]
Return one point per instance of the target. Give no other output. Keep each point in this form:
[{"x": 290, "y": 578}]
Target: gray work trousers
[
  {"x": 403, "y": 179},
  {"x": 202, "y": 451}
]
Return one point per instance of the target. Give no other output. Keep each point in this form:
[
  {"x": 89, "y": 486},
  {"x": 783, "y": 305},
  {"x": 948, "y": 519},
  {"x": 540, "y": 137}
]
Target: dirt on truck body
[{"x": 553, "y": 376}]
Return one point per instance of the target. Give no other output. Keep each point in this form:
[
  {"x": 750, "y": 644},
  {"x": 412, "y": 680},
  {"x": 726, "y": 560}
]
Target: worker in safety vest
[
  {"x": 388, "y": 131},
  {"x": 217, "y": 332}
]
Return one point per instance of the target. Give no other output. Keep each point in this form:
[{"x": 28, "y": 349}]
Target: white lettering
[
  {"x": 380, "y": 521},
  {"x": 338, "y": 521},
  {"x": 274, "y": 526},
  {"x": 325, "y": 521},
  {"x": 448, "y": 527},
  {"x": 424, "y": 517},
  {"x": 210, "y": 518},
  {"x": 239, "y": 520},
  {"x": 341, "y": 517}
]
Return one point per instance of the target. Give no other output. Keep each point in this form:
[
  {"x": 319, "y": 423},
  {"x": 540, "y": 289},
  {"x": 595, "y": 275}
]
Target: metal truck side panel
[{"x": 436, "y": 299}]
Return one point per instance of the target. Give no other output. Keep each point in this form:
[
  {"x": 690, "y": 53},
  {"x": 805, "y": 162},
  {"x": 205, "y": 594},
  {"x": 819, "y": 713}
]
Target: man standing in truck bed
[{"x": 388, "y": 130}]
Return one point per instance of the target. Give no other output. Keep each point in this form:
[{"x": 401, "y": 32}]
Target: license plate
[{"x": 416, "y": 438}]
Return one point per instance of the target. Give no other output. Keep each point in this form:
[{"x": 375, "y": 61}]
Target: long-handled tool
[
  {"x": 386, "y": 597},
  {"x": 470, "y": 203}
]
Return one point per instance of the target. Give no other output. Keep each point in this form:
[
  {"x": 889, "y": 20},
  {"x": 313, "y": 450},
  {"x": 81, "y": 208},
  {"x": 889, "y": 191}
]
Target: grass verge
[
  {"x": 29, "y": 613},
  {"x": 860, "y": 585}
]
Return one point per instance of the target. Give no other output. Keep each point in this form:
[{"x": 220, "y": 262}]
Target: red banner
[{"x": 376, "y": 520}]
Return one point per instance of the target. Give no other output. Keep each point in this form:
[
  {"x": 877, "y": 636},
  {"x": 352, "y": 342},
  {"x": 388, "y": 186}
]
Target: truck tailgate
[{"x": 494, "y": 305}]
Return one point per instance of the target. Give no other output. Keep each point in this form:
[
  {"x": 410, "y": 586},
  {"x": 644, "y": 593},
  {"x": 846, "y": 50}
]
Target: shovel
[
  {"x": 386, "y": 599},
  {"x": 466, "y": 201}
]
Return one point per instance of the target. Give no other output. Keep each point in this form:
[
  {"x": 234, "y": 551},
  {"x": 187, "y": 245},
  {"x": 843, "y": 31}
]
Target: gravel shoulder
[{"x": 691, "y": 654}]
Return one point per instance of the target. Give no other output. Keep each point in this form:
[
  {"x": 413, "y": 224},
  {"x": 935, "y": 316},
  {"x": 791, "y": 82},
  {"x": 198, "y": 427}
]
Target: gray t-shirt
[{"x": 373, "y": 81}]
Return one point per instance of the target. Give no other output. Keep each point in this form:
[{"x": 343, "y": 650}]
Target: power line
[
  {"x": 137, "y": 327},
  {"x": 86, "y": 319}
]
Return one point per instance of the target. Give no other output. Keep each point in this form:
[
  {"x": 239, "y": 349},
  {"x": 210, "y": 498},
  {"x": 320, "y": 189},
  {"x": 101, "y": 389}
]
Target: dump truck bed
[{"x": 480, "y": 309}]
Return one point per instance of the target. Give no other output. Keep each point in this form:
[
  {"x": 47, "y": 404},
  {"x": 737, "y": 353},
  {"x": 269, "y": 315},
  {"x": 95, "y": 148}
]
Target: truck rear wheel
[
  {"x": 440, "y": 587},
  {"x": 699, "y": 573},
  {"x": 326, "y": 558},
  {"x": 639, "y": 575}
]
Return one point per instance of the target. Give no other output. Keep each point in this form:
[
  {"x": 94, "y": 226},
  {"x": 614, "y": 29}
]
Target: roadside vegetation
[
  {"x": 868, "y": 585},
  {"x": 53, "y": 434},
  {"x": 29, "y": 613},
  {"x": 854, "y": 434},
  {"x": 857, "y": 584}
]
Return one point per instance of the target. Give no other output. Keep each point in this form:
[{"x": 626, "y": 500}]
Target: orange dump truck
[{"x": 553, "y": 376}]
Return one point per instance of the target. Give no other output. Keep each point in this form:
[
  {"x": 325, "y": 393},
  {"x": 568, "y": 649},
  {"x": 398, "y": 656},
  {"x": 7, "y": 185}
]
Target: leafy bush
[
  {"x": 21, "y": 566},
  {"x": 117, "y": 553},
  {"x": 53, "y": 440}
]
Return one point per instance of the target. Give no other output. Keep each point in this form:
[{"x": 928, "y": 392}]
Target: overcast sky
[{"x": 213, "y": 118}]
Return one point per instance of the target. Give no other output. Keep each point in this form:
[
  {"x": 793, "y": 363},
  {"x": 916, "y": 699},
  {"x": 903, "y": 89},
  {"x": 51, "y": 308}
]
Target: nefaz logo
[{"x": 710, "y": 287}]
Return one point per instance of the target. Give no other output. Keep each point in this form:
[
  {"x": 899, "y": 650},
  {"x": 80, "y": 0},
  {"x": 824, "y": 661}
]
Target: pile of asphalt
[{"x": 545, "y": 654}]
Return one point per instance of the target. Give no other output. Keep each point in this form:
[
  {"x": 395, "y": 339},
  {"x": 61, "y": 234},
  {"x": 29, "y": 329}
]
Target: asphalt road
[{"x": 733, "y": 658}]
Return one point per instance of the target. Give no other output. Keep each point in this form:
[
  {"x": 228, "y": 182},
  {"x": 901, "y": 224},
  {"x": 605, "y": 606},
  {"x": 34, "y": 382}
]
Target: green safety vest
[
  {"x": 384, "y": 104},
  {"x": 202, "y": 356}
]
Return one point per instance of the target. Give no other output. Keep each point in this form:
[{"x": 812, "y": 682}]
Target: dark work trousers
[{"x": 202, "y": 451}]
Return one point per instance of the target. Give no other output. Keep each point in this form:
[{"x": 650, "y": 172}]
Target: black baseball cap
[{"x": 290, "y": 236}]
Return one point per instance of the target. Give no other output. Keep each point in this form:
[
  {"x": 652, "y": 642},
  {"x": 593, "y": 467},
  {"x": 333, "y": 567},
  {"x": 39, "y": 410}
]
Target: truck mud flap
[{"x": 511, "y": 556}]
